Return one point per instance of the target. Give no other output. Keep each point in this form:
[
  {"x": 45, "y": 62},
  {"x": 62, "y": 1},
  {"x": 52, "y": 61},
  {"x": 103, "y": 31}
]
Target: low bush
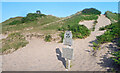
[
  {"x": 48, "y": 38},
  {"x": 107, "y": 37},
  {"x": 95, "y": 21},
  {"x": 62, "y": 36},
  {"x": 116, "y": 57},
  {"x": 111, "y": 33},
  {"x": 102, "y": 28},
  {"x": 95, "y": 44},
  {"x": 94, "y": 48},
  {"x": 78, "y": 31}
]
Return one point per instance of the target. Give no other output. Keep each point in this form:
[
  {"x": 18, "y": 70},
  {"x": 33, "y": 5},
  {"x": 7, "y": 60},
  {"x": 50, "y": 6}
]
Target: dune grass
[
  {"x": 36, "y": 24},
  {"x": 112, "y": 16},
  {"x": 13, "y": 41}
]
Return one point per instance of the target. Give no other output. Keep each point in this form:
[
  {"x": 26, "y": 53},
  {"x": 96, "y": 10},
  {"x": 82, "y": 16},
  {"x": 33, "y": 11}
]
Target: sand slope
[
  {"x": 46, "y": 56},
  {"x": 88, "y": 24}
]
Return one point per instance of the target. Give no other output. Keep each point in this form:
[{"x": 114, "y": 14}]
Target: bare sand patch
[{"x": 87, "y": 23}]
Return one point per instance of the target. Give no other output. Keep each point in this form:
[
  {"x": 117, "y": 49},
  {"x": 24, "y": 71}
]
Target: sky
[{"x": 59, "y": 9}]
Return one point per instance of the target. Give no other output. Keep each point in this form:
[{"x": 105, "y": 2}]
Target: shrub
[
  {"x": 79, "y": 31},
  {"x": 95, "y": 44},
  {"x": 94, "y": 48},
  {"x": 31, "y": 17},
  {"x": 102, "y": 28},
  {"x": 116, "y": 57},
  {"x": 62, "y": 36},
  {"x": 48, "y": 38},
  {"x": 95, "y": 22},
  {"x": 111, "y": 33}
]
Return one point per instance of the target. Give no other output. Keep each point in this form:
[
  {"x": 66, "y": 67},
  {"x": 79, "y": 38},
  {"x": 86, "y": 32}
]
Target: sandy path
[
  {"x": 83, "y": 61},
  {"x": 41, "y": 56},
  {"x": 37, "y": 55}
]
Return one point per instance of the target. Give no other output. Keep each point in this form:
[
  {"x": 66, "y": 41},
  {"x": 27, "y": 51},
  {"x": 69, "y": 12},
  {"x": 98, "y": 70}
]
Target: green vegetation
[
  {"x": 35, "y": 22},
  {"x": 76, "y": 19},
  {"x": 11, "y": 20},
  {"x": 28, "y": 18},
  {"x": 79, "y": 31},
  {"x": 15, "y": 22},
  {"x": 91, "y": 11},
  {"x": 111, "y": 33},
  {"x": 72, "y": 20},
  {"x": 95, "y": 46},
  {"x": 31, "y": 17},
  {"x": 116, "y": 57},
  {"x": 48, "y": 38},
  {"x": 62, "y": 36},
  {"x": 13, "y": 41},
  {"x": 112, "y": 16},
  {"x": 36, "y": 25}
]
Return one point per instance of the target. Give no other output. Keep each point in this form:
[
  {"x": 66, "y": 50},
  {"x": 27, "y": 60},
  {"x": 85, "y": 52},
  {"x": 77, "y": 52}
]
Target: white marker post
[
  {"x": 69, "y": 64},
  {"x": 68, "y": 51}
]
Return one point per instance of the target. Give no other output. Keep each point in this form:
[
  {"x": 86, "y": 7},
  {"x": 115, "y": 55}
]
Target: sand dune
[{"x": 39, "y": 55}]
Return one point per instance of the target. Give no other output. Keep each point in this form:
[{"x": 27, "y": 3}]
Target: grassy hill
[
  {"x": 45, "y": 24},
  {"x": 112, "y": 34},
  {"x": 18, "y": 25},
  {"x": 11, "y": 19},
  {"x": 71, "y": 23},
  {"x": 13, "y": 42},
  {"x": 91, "y": 11},
  {"x": 112, "y": 16}
]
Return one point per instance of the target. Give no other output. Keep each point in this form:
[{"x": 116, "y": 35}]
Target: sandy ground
[
  {"x": 2, "y": 36},
  {"x": 46, "y": 56},
  {"x": 88, "y": 24}
]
